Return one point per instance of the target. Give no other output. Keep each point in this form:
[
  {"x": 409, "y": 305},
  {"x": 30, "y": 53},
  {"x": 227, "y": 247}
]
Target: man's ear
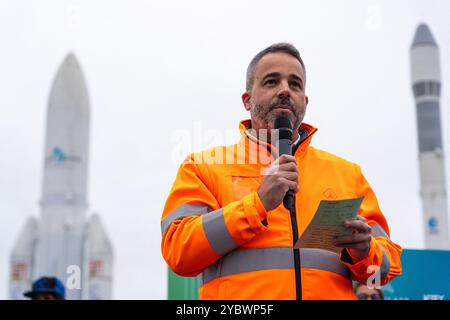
[
  {"x": 307, "y": 100},
  {"x": 246, "y": 100}
]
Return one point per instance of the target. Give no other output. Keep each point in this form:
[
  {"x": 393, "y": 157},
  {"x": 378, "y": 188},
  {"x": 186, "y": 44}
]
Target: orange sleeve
[
  {"x": 384, "y": 254},
  {"x": 196, "y": 231}
]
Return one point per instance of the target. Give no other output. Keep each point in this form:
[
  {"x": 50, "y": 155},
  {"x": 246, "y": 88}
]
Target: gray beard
[{"x": 264, "y": 114}]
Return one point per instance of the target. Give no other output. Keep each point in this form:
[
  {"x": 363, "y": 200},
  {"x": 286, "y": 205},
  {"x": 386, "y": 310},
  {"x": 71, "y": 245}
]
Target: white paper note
[{"x": 328, "y": 222}]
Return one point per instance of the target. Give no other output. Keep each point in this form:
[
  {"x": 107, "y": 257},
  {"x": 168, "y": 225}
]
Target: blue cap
[{"x": 50, "y": 285}]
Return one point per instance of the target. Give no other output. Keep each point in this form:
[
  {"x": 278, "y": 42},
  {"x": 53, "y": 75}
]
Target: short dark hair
[
  {"x": 356, "y": 286},
  {"x": 276, "y": 47}
]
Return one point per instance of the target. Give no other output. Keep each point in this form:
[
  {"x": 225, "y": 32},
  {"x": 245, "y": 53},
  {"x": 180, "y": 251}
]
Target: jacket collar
[{"x": 306, "y": 132}]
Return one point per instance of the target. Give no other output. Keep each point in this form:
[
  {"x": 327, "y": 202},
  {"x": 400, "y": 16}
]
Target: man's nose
[{"x": 284, "y": 89}]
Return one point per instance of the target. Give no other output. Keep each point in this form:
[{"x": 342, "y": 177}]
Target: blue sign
[{"x": 426, "y": 276}]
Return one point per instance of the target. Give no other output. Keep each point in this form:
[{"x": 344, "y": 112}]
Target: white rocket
[
  {"x": 426, "y": 84},
  {"x": 63, "y": 242}
]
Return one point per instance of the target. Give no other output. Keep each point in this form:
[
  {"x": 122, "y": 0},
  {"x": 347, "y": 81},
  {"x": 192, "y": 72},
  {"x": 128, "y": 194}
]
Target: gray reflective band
[
  {"x": 185, "y": 210},
  {"x": 378, "y": 231},
  {"x": 323, "y": 260},
  {"x": 217, "y": 232},
  {"x": 385, "y": 264},
  {"x": 258, "y": 259},
  {"x": 249, "y": 260}
]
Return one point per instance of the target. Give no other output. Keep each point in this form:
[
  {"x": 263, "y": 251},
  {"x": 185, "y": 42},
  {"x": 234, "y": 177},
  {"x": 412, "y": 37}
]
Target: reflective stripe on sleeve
[
  {"x": 217, "y": 232},
  {"x": 378, "y": 231},
  {"x": 385, "y": 264},
  {"x": 185, "y": 210}
]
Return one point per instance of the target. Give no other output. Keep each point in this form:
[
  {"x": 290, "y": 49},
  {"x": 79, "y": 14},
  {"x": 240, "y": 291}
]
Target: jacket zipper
[{"x": 293, "y": 213}]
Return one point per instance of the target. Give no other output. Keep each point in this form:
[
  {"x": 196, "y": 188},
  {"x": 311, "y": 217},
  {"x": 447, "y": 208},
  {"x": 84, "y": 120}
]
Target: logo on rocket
[{"x": 58, "y": 156}]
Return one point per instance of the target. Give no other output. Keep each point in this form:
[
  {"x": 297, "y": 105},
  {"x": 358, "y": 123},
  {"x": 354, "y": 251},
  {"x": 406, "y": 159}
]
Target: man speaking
[{"x": 226, "y": 218}]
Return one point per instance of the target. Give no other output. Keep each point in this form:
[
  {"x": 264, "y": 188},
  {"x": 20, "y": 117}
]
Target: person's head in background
[
  {"x": 363, "y": 292},
  {"x": 47, "y": 288}
]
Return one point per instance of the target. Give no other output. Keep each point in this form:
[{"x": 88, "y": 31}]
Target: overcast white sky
[{"x": 153, "y": 67}]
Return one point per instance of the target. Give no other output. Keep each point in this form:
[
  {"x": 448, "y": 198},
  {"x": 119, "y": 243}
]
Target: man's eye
[
  {"x": 270, "y": 82},
  {"x": 296, "y": 85}
]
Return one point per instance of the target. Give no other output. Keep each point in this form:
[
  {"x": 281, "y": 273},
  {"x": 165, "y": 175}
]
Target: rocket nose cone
[
  {"x": 423, "y": 37},
  {"x": 70, "y": 67},
  {"x": 69, "y": 84},
  {"x": 71, "y": 60}
]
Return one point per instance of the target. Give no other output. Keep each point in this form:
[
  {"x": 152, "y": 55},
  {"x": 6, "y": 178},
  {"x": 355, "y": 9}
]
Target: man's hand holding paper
[
  {"x": 357, "y": 243},
  {"x": 336, "y": 225}
]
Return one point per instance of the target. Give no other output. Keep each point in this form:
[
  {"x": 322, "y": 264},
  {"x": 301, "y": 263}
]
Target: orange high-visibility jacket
[{"x": 215, "y": 224}]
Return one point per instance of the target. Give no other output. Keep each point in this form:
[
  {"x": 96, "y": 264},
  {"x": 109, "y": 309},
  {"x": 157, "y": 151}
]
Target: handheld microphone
[{"x": 284, "y": 127}]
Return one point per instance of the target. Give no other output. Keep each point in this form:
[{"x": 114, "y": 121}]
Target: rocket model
[
  {"x": 63, "y": 242},
  {"x": 426, "y": 84}
]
